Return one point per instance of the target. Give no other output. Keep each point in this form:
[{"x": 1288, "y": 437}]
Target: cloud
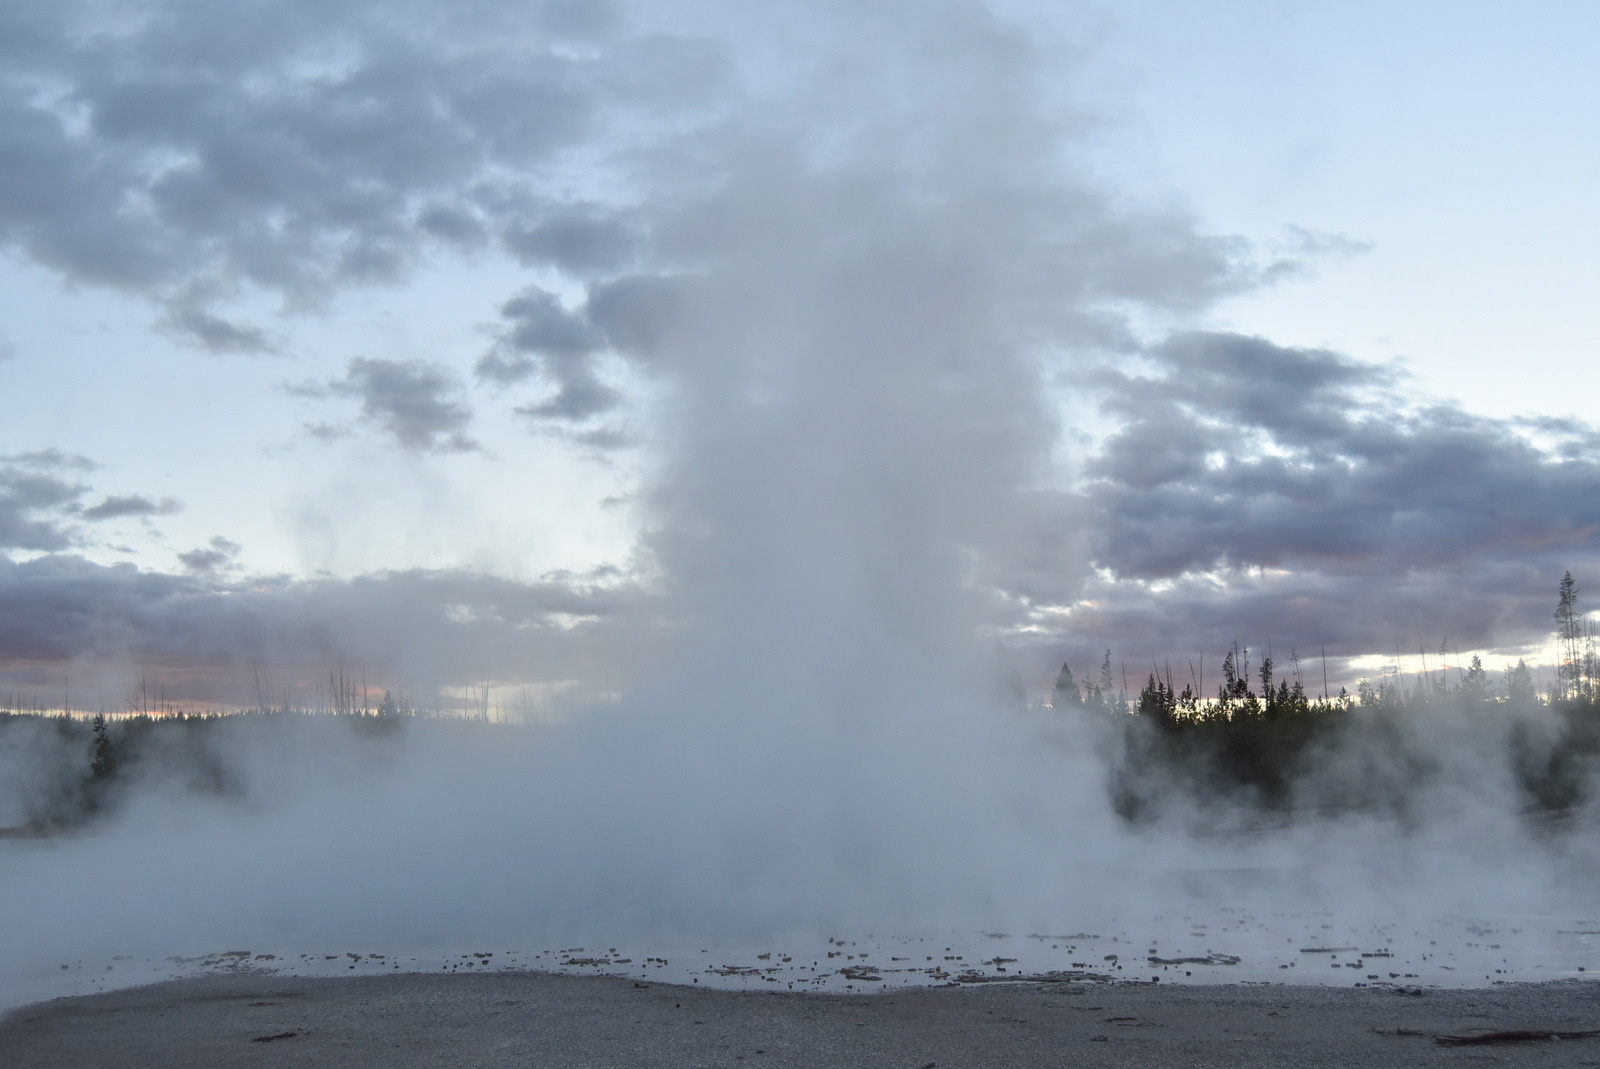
[
  {"x": 607, "y": 439},
  {"x": 182, "y": 151},
  {"x": 50, "y": 459},
  {"x": 579, "y": 398},
  {"x": 852, "y": 281},
  {"x": 580, "y": 238},
  {"x": 839, "y": 276},
  {"x": 41, "y": 497},
  {"x": 625, "y": 317},
  {"x": 1269, "y": 494},
  {"x": 206, "y": 637},
  {"x": 543, "y": 335},
  {"x": 328, "y": 432},
  {"x": 34, "y": 502},
  {"x": 1299, "y": 242},
  {"x": 114, "y": 508},
  {"x": 1317, "y": 461},
  {"x": 218, "y": 555},
  {"x": 216, "y": 334},
  {"x": 411, "y": 401}
]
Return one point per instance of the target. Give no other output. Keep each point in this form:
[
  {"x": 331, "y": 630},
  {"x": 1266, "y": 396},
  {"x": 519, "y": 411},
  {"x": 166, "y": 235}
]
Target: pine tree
[
  {"x": 1066, "y": 694},
  {"x": 1519, "y": 685},
  {"x": 104, "y": 765},
  {"x": 1108, "y": 688},
  {"x": 1475, "y": 685},
  {"x": 1157, "y": 702}
]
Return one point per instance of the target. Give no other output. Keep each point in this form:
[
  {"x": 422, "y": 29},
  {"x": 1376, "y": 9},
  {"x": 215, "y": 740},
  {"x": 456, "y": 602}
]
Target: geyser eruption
[
  {"x": 854, "y": 334},
  {"x": 854, "y": 292}
]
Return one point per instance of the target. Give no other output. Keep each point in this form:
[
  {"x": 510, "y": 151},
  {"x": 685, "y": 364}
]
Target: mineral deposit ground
[{"x": 538, "y": 1019}]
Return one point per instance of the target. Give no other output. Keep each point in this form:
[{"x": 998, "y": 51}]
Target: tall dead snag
[{"x": 1568, "y": 632}]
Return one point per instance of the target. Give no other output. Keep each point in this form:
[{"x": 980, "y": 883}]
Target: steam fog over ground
[
  {"x": 685, "y": 844},
  {"x": 819, "y": 357}
]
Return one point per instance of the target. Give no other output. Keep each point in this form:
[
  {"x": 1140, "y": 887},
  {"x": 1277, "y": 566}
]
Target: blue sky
[
  {"x": 496, "y": 344},
  {"x": 1453, "y": 141}
]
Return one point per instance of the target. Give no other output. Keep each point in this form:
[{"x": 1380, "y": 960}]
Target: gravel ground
[{"x": 536, "y": 1019}]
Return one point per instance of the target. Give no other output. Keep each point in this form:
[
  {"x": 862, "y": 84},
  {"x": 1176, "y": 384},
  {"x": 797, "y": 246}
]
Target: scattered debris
[
  {"x": 270, "y": 1039},
  {"x": 972, "y": 976},
  {"x": 1515, "y": 1035}
]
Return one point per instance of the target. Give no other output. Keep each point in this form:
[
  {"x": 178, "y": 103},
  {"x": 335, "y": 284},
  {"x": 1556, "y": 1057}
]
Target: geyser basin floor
[
  {"x": 511, "y": 1019},
  {"x": 1217, "y": 946}
]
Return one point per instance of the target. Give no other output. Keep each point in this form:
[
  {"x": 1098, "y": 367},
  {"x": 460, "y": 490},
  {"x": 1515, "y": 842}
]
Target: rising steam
[{"x": 851, "y": 294}]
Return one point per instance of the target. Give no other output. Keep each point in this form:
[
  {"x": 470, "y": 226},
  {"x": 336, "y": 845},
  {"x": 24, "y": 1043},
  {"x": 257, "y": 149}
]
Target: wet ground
[
  {"x": 1227, "y": 946},
  {"x": 536, "y": 1019}
]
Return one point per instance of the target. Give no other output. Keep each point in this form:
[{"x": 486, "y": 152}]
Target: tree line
[{"x": 1263, "y": 741}]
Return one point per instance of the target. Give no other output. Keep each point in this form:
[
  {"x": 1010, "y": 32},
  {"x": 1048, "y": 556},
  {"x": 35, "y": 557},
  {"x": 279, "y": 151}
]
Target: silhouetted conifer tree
[
  {"x": 1475, "y": 685},
  {"x": 1066, "y": 695},
  {"x": 1157, "y": 702},
  {"x": 104, "y": 765},
  {"x": 1107, "y": 691},
  {"x": 1519, "y": 685}
]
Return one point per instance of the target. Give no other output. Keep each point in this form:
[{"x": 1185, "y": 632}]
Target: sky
[{"x": 558, "y": 348}]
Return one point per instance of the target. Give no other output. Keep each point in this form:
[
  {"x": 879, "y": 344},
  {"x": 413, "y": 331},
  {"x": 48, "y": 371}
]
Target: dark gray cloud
[
  {"x": 206, "y": 639},
  {"x": 36, "y": 500},
  {"x": 208, "y": 559},
  {"x": 625, "y": 316},
  {"x": 540, "y": 327},
  {"x": 581, "y": 238},
  {"x": 180, "y": 150},
  {"x": 117, "y": 507},
  {"x": 545, "y": 337},
  {"x": 580, "y": 397},
  {"x": 411, "y": 400},
  {"x": 214, "y": 333},
  {"x": 328, "y": 432},
  {"x": 52, "y": 459},
  {"x": 1268, "y": 494},
  {"x": 42, "y": 498},
  {"x": 1244, "y": 454}
]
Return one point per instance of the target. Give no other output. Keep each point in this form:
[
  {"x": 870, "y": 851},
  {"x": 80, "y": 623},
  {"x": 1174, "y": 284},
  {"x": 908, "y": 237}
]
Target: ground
[{"x": 537, "y": 1019}]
